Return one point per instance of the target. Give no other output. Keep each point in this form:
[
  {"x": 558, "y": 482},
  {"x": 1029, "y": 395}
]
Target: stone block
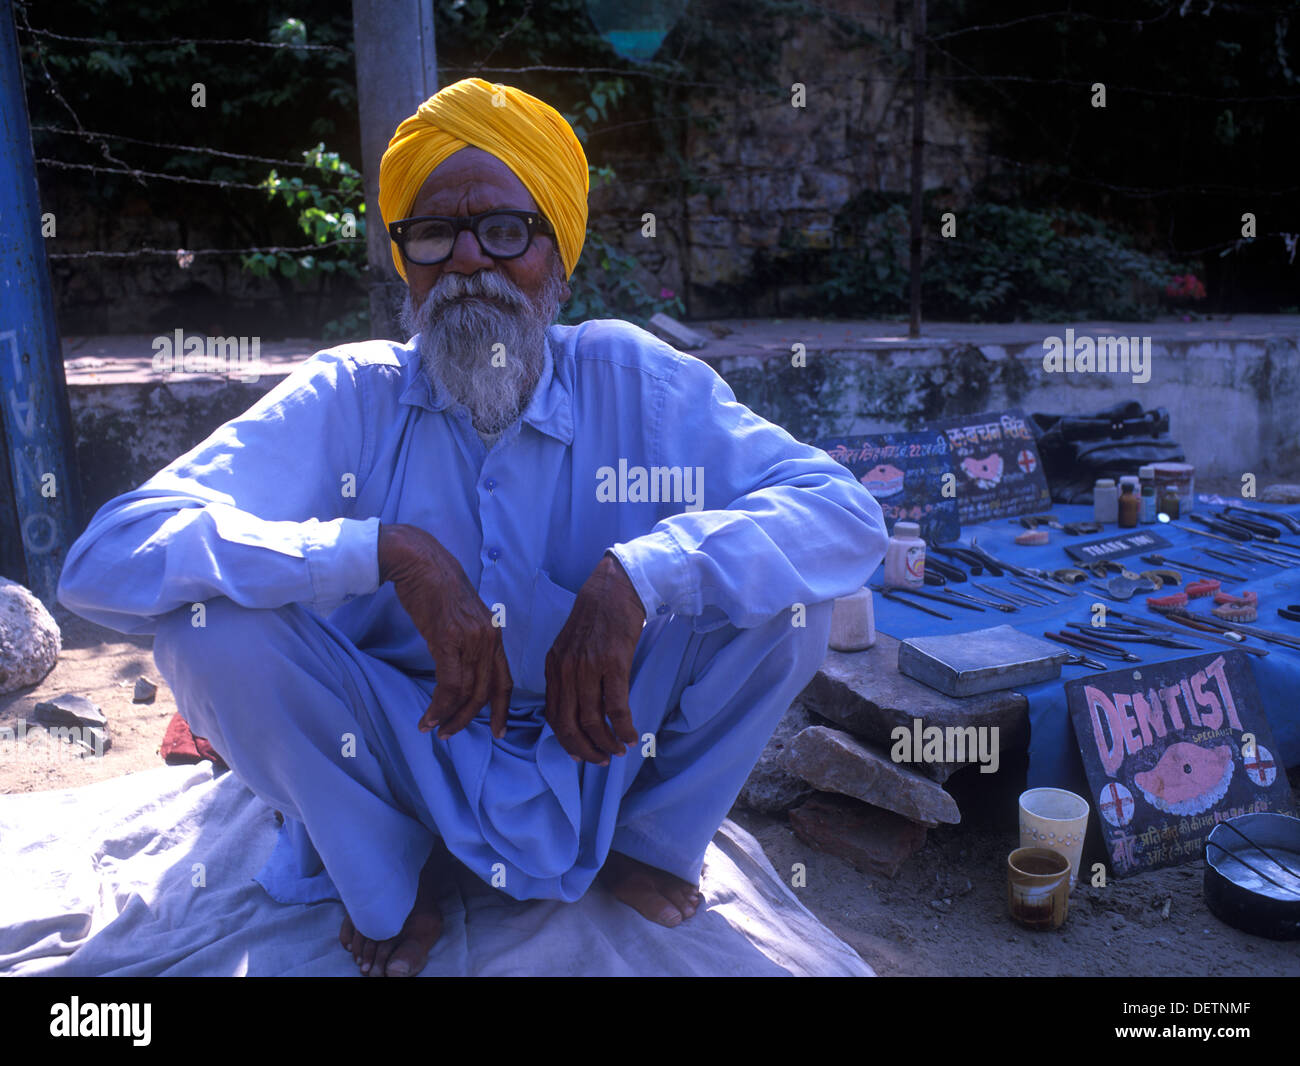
[
  {"x": 1280, "y": 493},
  {"x": 863, "y": 692},
  {"x": 30, "y": 640},
  {"x": 870, "y": 839},
  {"x": 770, "y": 788},
  {"x": 833, "y": 761}
]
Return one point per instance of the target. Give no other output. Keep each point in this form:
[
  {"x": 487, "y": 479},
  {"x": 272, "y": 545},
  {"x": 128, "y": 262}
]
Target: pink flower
[{"x": 666, "y": 294}]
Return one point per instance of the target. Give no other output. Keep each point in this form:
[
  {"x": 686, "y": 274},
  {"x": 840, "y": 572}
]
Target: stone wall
[
  {"x": 777, "y": 175},
  {"x": 781, "y": 172}
]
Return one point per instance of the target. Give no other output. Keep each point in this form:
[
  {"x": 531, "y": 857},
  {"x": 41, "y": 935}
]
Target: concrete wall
[
  {"x": 1234, "y": 400},
  {"x": 1234, "y": 405}
]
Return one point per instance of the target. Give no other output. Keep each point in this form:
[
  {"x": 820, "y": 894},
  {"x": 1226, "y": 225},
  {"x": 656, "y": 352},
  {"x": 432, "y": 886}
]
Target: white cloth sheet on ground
[{"x": 151, "y": 874}]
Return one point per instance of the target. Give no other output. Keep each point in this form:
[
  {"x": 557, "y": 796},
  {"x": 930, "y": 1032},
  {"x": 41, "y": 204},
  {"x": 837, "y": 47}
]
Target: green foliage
[
  {"x": 606, "y": 285},
  {"x": 330, "y": 208},
  {"x": 1005, "y": 264},
  {"x": 870, "y": 277},
  {"x": 1199, "y": 99}
]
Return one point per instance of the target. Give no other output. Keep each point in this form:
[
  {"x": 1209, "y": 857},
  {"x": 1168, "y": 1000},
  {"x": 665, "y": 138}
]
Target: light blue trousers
[{"x": 326, "y": 734}]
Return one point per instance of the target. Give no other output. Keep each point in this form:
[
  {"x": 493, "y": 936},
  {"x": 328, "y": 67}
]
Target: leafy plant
[
  {"x": 1004, "y": 264},
  {"x": 331, "y": 212},
  {"x": 331, "y": 209}
]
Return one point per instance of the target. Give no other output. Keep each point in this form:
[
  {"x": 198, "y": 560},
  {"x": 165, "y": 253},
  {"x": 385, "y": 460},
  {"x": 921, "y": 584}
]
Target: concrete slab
[
  {"x": 863, "y": 692},
  {"x": 1231, "y": 386}
]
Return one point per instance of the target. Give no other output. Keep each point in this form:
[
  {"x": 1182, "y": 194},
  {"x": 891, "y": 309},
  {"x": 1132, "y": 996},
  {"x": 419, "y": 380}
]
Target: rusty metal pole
[
  {"x": 40, "y": 497},
  {"x": 918, "y": 152},
  {"x": 397, "y": 70}
]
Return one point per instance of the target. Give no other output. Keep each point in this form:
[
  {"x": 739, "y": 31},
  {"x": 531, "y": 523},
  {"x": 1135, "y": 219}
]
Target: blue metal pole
[{"x": 40, "y": 509}]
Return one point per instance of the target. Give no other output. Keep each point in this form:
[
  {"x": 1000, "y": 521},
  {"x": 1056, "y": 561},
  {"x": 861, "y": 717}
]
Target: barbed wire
[
  {"x": 501, "y": 39},
  {"x": 179, "y": 178},
  {"x": 1169, "y": 9},
  {"x": 674, "y": 79},
  {"x": 1118, "y": 90},
  {"x": 178, "y": 147},
  {"x": 172, "y": 42},
  {"x": 181, "y": 253},
  {"x": 778, "y": 92},
  {"x": 971, "y": 160},
  {"x": 21, "y": 17},
  {"x": 635, "y": 223}
]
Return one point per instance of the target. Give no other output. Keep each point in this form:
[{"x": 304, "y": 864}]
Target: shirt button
[
  {"x": 663, "y": 608},
  {"x": 494, "y": 554},
  {"x": 490, "y": 484}
]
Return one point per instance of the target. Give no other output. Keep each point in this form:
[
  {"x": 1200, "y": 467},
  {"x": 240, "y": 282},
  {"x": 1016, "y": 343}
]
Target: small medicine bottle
[
  {"x": 1169, "y": 503},
  {"x": 1129, "y": 506},
  {"x": 905, "y": 557},
  {"x": 1105, "y": 501},
  {"x": 1147, "y": 512}
]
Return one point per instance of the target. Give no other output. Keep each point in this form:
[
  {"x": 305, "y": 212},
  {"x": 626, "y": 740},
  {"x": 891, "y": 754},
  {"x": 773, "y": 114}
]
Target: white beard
[{"x": 484, "y": 340}]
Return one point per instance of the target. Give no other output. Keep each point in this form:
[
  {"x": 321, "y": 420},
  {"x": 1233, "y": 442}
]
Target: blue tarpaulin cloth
[{"x": 1053, "y": 755}]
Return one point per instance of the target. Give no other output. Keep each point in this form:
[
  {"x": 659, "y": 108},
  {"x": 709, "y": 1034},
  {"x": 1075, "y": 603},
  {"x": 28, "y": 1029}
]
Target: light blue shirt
[{"x": 283, "y": 504}]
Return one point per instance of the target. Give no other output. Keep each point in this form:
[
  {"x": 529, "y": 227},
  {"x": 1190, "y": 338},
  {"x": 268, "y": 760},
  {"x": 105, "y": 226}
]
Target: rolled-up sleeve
[
  {"x": 778, "y": 523},
  {"x": 259, "y": 512}
]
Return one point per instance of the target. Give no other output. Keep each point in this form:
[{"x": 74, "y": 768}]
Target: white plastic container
[{"x": 853, "y": 622}]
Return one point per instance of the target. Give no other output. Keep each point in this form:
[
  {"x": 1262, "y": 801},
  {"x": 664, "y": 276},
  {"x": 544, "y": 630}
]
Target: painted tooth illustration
[
  {"x": 883, "y": 480},
  {"x": 1188, "y": 779},
  {"x": 985, "y": 472}
]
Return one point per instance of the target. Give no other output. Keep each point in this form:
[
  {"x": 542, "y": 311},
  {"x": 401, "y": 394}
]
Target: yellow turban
[{"x": 530, "y": 137}]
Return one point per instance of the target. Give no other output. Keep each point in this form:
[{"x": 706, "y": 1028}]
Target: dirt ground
[{"x": 944, "y": 915}]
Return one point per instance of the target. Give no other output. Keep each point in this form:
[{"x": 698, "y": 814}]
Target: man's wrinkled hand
[
  {"x": 589, "y": 666},
  {"x": 467, "y": 651}
]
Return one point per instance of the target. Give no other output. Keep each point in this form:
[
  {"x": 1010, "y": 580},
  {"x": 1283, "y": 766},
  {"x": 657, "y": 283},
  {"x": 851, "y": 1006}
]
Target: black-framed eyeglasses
[{"x": 502, "y": 234}]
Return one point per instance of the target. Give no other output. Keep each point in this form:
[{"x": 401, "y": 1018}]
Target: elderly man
[{"x": 540, "y": 592}]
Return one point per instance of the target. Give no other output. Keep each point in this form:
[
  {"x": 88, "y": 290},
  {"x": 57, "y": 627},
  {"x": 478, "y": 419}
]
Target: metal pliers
[
  {"x": 1081, "y": 639},
  {"x": 977, "y": 563},
  {"x": 1285, "y": 520},
  {"x": 1075, "y": 659},
  {"x": 948, "y": 571},
  {"x": 1149, "y": 638}
]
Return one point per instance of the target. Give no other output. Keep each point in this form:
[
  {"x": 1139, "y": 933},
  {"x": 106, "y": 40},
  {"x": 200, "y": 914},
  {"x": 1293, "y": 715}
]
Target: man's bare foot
[
  {"x": 405, "y": 954},
  {"x": 653, "y": 893}
]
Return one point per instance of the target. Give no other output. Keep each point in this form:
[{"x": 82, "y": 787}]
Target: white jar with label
[
  {"x": 1105, "y": 501},
  {"x": 905, "y": 557}
]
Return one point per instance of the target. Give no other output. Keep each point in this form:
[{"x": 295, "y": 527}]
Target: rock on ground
[
  {"x": 871, "y": 840},
  {"x": 770, "y": 788},
  {"x": 69, "y": 709},
  {"x": 30, "y": 641},
  {"x": 836, "y": 762}
]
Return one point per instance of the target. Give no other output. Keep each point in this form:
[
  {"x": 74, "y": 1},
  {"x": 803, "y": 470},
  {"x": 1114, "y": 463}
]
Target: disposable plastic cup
[{"x": 1056, "y": 819}]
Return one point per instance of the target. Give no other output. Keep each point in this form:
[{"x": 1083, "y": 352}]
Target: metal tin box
[{"x": 983, "y": 660}]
